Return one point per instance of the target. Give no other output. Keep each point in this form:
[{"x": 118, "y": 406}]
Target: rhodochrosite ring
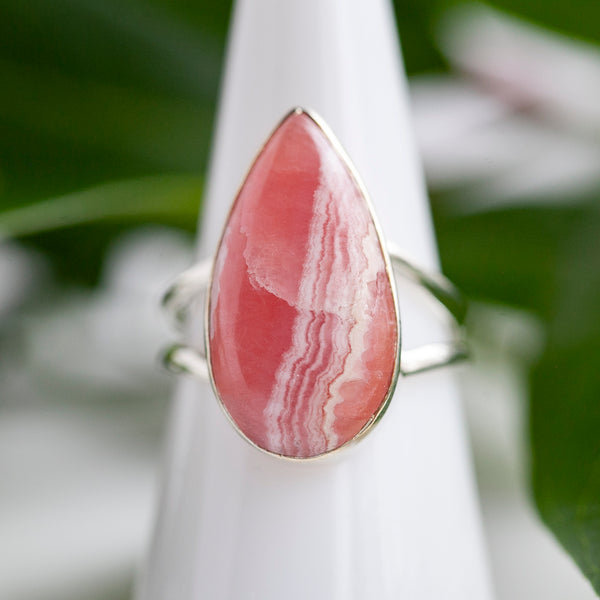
[{"x": 302, "y": 329}]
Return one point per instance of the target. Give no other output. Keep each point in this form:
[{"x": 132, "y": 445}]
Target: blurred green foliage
[
  {"x": 117, "y": 97},
  {"x": 547, "y": 261}
]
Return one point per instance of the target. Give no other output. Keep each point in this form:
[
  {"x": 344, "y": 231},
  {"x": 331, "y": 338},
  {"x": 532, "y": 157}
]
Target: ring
[{"x": 302, "y": 339}]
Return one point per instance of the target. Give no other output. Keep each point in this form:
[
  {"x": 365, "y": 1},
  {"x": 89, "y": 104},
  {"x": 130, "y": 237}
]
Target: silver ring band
[{"x": 191, "y": 286}]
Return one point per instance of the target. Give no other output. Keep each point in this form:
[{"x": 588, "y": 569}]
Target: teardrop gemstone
[{"x": 302, "y": 325}]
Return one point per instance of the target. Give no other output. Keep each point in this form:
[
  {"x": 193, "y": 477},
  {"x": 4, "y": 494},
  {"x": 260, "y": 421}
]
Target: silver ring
[{"x": 302, "y": 337}]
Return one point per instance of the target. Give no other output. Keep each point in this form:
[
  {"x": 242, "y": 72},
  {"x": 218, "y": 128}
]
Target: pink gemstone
[{"x": 303, "y": 334}]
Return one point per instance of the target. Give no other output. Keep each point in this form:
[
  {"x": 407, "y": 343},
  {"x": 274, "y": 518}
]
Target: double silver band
[{"x": 192, "y": 285}]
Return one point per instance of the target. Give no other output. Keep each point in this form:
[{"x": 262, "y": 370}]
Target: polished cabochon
[{"x": 303, "y": 332}]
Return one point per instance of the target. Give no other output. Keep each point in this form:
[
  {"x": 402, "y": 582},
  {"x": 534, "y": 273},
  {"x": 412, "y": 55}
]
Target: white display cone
[{"x": 395, "y": 516}]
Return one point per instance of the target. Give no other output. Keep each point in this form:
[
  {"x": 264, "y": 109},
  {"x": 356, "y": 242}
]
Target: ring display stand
[{"x": 396, "y": 516}]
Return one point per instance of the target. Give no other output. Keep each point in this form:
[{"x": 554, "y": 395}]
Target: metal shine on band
[{"x": 302, "y": 339}]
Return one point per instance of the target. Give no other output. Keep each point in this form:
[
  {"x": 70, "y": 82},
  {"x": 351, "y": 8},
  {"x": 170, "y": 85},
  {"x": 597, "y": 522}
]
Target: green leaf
[
  {"x": 507, "y": 255},
  {"x": 95, "y": 90},
  {"x": 122, "y": 42},
  {"x": 547, "y": 260},
  {"x": 565, "y": 406},
  {"x": 173, "y": 198},
  {"x": 161, "y": 131}
]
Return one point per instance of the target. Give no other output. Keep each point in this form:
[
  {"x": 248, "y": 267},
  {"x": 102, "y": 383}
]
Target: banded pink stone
[{"x": 303, "y": 334}]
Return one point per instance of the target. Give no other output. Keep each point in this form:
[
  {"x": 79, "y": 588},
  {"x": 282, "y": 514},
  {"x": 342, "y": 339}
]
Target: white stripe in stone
[{"x": 339, "y": 285}]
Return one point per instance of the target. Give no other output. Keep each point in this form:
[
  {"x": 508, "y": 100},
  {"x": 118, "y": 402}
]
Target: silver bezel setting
[{"x": 389, "y": 271}]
